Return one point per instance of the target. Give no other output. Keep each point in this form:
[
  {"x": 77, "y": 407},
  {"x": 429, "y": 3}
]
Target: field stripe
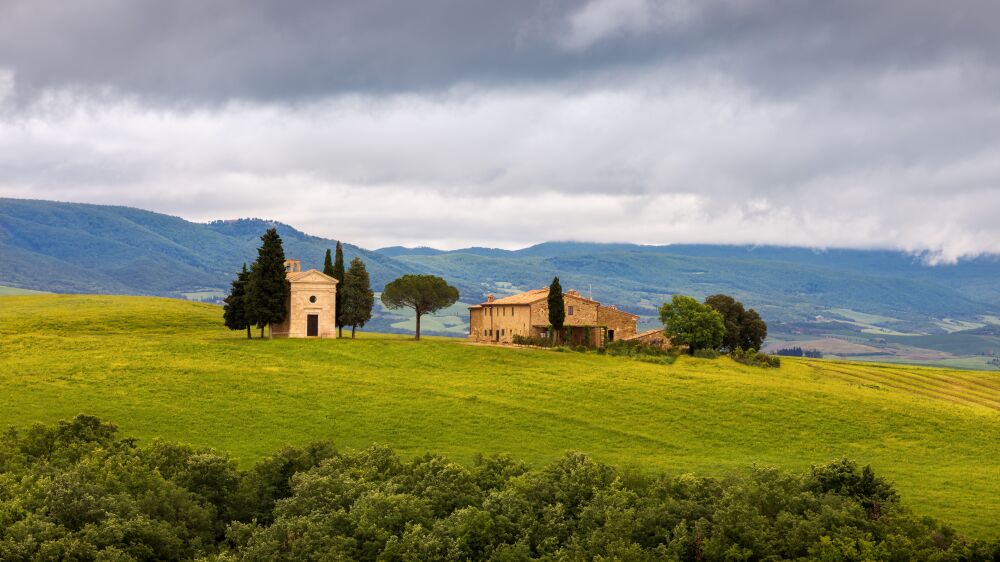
[{"x": 927, "y": 391}]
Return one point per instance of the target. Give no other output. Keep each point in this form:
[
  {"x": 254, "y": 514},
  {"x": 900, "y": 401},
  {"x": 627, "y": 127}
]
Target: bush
[
  {"x": 634, "y": 348},
  {"x": 531, "y": 340},
  {"x": 755, "y": 358},
  {"x": 640, "y": 351},
  {"x": 706, "y": 354},
  {"x": 581, "y": 348}
]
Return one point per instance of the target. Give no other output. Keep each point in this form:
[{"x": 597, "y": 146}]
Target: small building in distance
[
  {"x": 312, "y": 306},
  {"x": 588, "y": 322}
]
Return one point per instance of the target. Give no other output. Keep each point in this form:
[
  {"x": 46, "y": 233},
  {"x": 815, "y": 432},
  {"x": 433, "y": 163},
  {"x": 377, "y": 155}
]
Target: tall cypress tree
[
  {"x": 328, "y": 264},
  {"x": 358, "y": 296},
  {"x": 236, "y": 312},
  {"x": 557, "y": 308},
  {"x": 268, "y": 289},
  {"x": 338, "y": 274}
]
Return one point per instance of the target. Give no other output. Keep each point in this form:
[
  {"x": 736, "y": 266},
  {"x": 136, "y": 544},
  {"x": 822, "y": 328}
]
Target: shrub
[
  {"x": 581, "y": 348},
  {"x": 531, "y": 340},
  {"x": 634, "y": 348},
  {"x": 706, "y": 354},
  {"x": 755, "y": 358}
]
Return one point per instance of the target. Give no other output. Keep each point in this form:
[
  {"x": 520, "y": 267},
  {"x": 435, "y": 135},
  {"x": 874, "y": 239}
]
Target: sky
[{"x": 830, "y": 123}]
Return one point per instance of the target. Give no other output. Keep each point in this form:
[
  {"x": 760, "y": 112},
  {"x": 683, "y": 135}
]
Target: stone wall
[
  {"x": 653, "y": 337},
  {"x": 623, "y": 323},
  {"x": 584, "y": 312},
  {"x": 499, "y": 323}
]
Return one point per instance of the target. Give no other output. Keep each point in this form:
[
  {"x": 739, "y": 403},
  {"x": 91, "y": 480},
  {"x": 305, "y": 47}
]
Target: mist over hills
[{"x": 863, "y": 297}]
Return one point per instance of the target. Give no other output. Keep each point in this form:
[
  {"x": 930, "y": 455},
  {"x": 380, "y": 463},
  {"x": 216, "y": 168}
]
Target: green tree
[
  {"x": 268, "y": 290},
  {"x": 358, "y": 298},
  {"x": 422, "y": 293},
  {"x": 557, "y": 308},
  {"x": 744, "y": 328},
  {"x": 687, "y": 321},
  {"x": 328, "y": 264},
  {"x": 338, "y": 274},
  {"x": 236, "y": 311}
]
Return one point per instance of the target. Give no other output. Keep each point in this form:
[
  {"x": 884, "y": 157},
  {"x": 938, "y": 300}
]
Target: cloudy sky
[{"x": 829, "y": 123}]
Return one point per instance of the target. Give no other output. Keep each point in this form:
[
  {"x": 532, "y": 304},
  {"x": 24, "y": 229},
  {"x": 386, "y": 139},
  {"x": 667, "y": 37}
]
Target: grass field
[{"x": 166, "y": 368}]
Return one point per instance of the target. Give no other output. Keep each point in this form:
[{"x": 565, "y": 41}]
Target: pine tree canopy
[
  {"x": 557, "y": 308},
  {"x": 236, "y": 312},
  {"x": 357, "y": 295},
  {"x": 338, "y": 274},
  {"x": 268, "y": 289},
  {"x": 422, "y": 293},
  {"x": 328, "y": 264}
]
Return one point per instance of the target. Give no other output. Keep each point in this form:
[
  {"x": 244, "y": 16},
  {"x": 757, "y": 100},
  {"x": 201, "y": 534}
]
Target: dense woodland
[{"x": 77, "y": 490}]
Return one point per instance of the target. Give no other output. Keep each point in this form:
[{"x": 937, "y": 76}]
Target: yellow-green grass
[{"x": 166, "y": 368}]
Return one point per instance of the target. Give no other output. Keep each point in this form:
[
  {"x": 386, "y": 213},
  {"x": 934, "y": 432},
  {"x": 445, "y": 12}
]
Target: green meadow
[{"x": 168, "y": 368}]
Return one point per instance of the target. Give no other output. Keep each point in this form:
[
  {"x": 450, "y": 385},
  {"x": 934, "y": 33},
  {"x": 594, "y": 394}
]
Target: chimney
[
  {"x": 573, "y": 292},
  {"x": 613, "y": 307},
  {"x": 489, "y": 298}
]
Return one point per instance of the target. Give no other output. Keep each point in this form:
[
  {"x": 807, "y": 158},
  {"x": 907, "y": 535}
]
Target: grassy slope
[{"x": 167, "y": 368}]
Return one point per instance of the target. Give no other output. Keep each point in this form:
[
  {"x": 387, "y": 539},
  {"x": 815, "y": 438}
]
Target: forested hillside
[
  {"x": 77, "y": 248},
  {"x": 880, "y": 305}
]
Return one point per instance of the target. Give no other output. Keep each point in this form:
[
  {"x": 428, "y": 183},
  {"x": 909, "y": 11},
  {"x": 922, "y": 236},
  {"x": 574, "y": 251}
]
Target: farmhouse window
[{"x": 569, "y": 311}]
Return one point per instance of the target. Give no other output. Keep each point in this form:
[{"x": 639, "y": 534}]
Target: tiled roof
[
  {"x": 533, "y": 296},
  {"x": 527, "y": 297}
]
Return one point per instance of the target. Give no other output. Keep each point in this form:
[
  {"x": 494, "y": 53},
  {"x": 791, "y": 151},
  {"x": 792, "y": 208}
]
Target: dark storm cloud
[
  {"x": 822, "y": 123},
  {"x": 191, "y": 50}
]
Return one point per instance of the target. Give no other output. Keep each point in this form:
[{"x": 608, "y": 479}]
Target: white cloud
[
  {"x": 910, "y": 161},
  {"x": 600, "y": 19}
]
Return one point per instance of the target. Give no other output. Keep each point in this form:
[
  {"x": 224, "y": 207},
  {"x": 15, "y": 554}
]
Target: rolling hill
[
  {"x": 888, "y": 301},
  {"x": 167, "y": 368}
]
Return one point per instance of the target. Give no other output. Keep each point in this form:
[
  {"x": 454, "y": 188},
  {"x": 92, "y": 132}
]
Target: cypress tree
[
  {"x": 236, "y": 312},
  {"x": 268, "y": 289},
  {"x": 358, "y": 297},
  {"x": 557, "y": 308},
  {"x": 328, "y": 264},
  {"x": 338, "y": 274}
]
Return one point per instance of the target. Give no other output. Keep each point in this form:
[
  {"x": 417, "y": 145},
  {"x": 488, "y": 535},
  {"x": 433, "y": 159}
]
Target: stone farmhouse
[
  {"x": 588, "y": 322},
  {"x": 312, "y": 305}
]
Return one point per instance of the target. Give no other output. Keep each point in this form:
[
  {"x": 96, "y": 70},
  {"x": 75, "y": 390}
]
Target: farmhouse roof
[{"x": 526, "y": 297}]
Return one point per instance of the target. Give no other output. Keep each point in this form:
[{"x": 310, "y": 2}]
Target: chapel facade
[{"x": 312, "y": 304}]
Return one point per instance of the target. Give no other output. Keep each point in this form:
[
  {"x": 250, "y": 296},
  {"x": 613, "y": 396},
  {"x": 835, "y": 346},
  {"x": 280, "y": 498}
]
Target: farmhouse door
[{"x": 312, "y": 325}]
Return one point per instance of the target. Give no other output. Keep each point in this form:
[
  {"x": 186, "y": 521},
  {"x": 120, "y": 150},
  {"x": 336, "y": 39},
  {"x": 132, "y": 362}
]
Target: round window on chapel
[{"x": 312, "y": 298}]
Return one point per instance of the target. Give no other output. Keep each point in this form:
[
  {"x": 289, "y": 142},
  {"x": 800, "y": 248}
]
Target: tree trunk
[
  {"x": 352, "y": 331},
  {"x": 418, "y": 325},
  {"x": 261, "y": 330},
  {"x": 249, "y": 335},
  {"x": 340, "y": 331}
]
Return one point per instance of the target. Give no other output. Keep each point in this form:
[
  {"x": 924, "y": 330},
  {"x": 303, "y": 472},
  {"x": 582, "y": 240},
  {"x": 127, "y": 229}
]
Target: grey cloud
[
  {"x": 193, "y": 51},
  {"x": 841, "y": 123}
]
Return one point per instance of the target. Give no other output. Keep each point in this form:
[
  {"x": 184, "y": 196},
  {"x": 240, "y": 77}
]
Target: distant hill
[
  {"x": 883, "y": 299},
  {"x": 78, "y": 248}
]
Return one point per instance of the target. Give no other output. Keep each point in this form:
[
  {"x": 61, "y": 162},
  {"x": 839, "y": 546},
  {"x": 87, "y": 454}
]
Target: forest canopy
[{"x": 78, "y": 490}]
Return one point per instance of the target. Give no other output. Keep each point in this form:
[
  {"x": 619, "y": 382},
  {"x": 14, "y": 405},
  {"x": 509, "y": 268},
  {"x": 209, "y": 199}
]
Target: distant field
[
  {"x": 8, "y": 291},
  {"x": 167, "y": 368}
]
